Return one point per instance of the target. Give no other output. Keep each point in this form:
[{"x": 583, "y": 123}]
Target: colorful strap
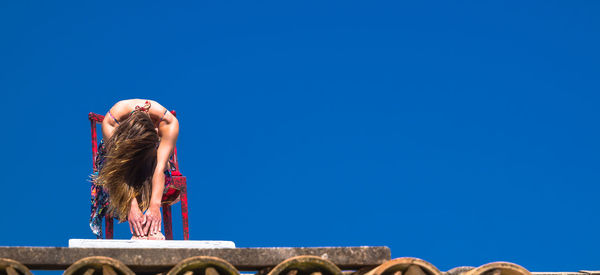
[
  {"x": 144, "y": 108},
  {"x": 113, "y": 117},
  {"x": 161, "y": 119}
]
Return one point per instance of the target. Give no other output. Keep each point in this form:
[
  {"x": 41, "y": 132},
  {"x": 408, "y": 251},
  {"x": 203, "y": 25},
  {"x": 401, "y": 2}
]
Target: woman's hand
[
  {"x": 136, "y": 219},
  {"x": 153, "y": 219}
]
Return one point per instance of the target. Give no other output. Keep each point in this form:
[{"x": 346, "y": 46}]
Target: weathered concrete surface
[
  {"x": 156, "y": 259},
  {"x": 95, "y": 243}
]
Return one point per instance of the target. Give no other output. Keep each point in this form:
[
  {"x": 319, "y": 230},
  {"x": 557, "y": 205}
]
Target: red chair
[{"x": 179, "y": 183}]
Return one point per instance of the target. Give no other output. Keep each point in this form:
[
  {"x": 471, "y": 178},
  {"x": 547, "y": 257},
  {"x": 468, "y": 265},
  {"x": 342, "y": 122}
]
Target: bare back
[{"x": 122, "y": 109}]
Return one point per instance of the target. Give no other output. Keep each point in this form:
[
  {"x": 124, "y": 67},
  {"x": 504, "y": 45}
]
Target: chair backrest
[{"x": 96, "y": 119}]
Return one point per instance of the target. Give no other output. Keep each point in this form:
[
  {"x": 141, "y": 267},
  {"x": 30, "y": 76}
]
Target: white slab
[{"x": 95, "y": 243}]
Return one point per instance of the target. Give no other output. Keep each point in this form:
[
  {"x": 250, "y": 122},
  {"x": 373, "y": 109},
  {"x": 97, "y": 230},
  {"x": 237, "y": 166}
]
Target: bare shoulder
[
  {"x": 162, "y": 112},
  {"x": 155, "y": 105},
  {"x": 120, "y": 105},
  {"x": 127, "y": 105}
]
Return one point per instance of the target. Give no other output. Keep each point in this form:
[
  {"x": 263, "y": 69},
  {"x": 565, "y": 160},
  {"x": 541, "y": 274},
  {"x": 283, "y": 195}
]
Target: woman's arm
[
  {"x": 109, "y": 124},
  {"x": 107, "y": 127},
  {"x": 168, "y": 129}
]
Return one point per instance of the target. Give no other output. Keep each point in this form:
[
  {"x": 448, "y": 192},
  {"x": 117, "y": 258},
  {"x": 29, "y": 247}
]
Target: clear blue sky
[{"x": 460, "y": 132}]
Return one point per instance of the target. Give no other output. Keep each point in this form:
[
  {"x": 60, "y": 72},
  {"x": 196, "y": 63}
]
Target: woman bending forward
[{"x": 133, "y": 169}]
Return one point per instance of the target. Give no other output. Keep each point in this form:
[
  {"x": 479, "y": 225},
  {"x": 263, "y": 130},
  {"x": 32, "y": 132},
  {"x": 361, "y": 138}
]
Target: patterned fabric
[{"x": 100, "y": 199}]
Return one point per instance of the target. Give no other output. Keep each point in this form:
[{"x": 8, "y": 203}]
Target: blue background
[{"x": 460, "y": 132}]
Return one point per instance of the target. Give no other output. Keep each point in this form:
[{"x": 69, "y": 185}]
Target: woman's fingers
[
  {"x": 154, "y": 227},
  {"x": 148, "y": 226},
  {"x": 144, "y": 225},
  {"x": 135, "y": 228},
  {"x": 138, "y": 226},
  {"x": 151, "y": 229}
]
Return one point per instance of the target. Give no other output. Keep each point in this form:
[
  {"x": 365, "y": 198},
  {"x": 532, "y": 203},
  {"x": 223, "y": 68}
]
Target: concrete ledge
[
  {"x": 159, "y": 259},
  {"x": 95, "y": 243}
]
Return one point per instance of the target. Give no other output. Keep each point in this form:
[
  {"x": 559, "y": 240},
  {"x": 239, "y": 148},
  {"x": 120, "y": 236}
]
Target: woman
[{"x": 133, "y": 171}]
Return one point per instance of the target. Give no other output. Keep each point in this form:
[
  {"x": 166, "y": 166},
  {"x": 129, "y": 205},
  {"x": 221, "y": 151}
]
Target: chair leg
[
  {"x": 109, "y": 226},
  {"x": 167, "y": 221},
  {"x": 184, "y": 213}
]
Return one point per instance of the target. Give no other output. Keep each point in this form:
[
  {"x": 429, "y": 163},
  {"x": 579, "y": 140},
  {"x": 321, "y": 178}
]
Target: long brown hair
[{"x": 129, "y": 164}]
